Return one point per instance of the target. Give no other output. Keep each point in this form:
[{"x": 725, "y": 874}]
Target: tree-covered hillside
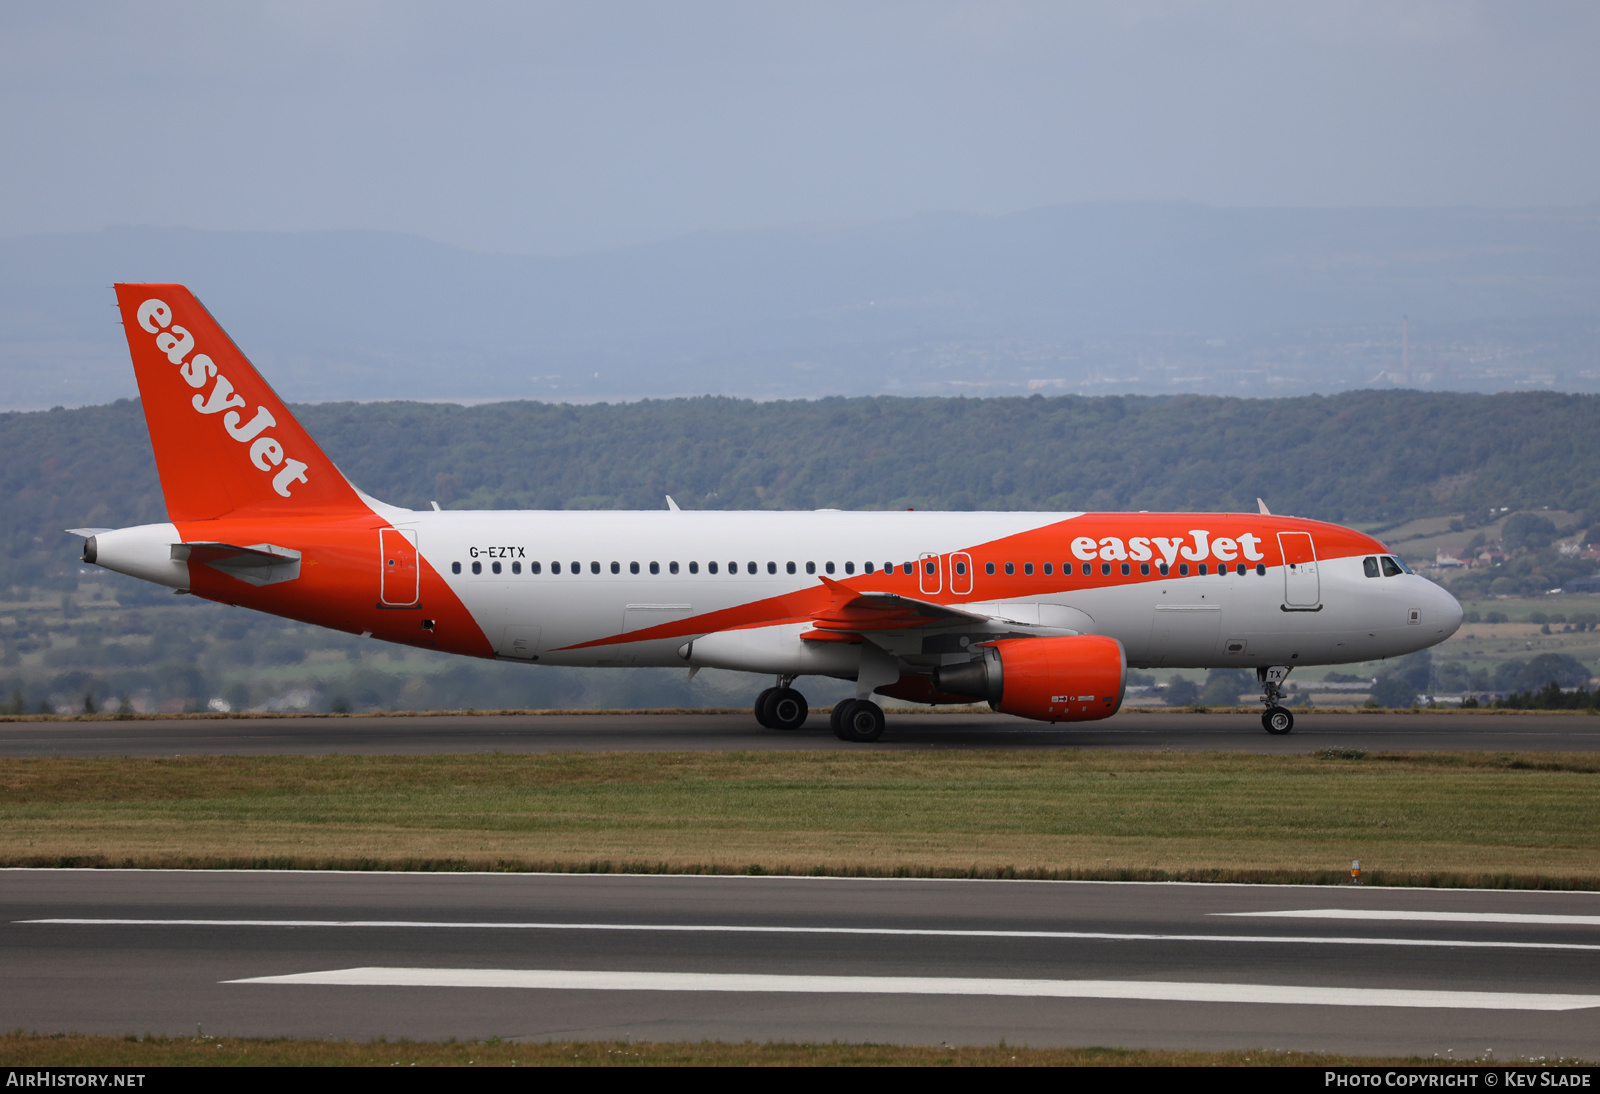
[{"x": 1361, "y": 457}]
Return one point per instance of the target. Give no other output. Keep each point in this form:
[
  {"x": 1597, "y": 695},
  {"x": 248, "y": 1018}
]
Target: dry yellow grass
[{"x": 1450, "y": 818}]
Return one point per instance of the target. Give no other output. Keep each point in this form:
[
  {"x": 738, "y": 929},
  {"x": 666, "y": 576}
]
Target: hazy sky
[{"x": 556, "y": 128}]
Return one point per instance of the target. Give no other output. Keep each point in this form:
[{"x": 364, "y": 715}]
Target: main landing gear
[
  {"x": 1278, "y": 719},
  {"x": 857, "y": 720},
  {"x": 781, "y": 707}
]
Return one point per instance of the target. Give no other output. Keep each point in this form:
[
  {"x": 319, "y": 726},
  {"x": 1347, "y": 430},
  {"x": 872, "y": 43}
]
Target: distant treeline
[{"x": 1366, "y": 456}]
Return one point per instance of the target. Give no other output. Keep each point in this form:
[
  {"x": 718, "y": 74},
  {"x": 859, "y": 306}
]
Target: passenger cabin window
[
  {"x": 694, "y": 567},
  {"x": 1165, "y": 569},
  {"x": 1011, "y": 568},
  {"x": 828, "y": 566},
  {"x": 577, "y": 568},
  {"x": 616, "y": 567},
  {"x": 750, "y": 567},
  {"x": 789, "y": 566},
  {"x": 594, "y": 567},
  {"x": 1391, "y": 568},
  {"x": 772, "y": 567},
  {"x": 672, "y": 567},
  {"x": 988, "y": 567},
  {"x": 1202, "y": 569},
  {"x": 477, "y": 567},
  {"x": 1088, "y": 568},
  {"x": 1183, "y": 569},
  {"x": 633, "y": 567},
  {"x": 867, "y": 567},
  {"x": 495, "y": 566},
  {"x": 849, "y": 567},
  {"x": 811, "y": 567},
  {"x": 455, "y": 567},
  {"x": 655, "y": 567},
  {"x": 711, "y": 567},
  {"x": 1027, "y": 568},
  {"x": 1049, "y": 568},
  {"x": 1144, "y": 568},
  {"x": 1261, "y": 568},
  {"x": 1105, "y": 568},
  {"x": 1126, "y": 569},
  {"x": 516, "y": 567}
]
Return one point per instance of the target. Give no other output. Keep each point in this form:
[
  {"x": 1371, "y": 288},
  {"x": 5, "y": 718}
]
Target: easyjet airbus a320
[{"x": 1037, "y": 614}]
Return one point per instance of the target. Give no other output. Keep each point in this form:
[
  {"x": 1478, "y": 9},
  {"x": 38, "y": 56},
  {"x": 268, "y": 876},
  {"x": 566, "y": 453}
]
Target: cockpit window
[
  {"x": 1391, "y": 568},
  {"x": 1370, "y": 565}
]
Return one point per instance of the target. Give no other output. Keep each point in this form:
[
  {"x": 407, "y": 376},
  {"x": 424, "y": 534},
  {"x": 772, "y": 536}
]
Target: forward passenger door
[{"x": 1302, "y": 587}]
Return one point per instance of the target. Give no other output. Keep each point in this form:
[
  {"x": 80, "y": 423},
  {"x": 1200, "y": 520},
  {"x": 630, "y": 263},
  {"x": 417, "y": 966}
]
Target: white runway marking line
[
  {"x": 904, "y": 932},
  {"x": 1379, "y": 914},
  {"x": 1154, "y": 990}
]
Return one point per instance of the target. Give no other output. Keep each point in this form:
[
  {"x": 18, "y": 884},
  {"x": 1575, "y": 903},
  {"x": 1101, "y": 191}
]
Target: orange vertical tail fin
[{"x": 223, "y": 440}]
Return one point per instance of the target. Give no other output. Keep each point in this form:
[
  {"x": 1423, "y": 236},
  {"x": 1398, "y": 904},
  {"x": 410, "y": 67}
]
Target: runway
[
  {"x": 399, "y": 735},
  {"x": 660, "y": 957}
]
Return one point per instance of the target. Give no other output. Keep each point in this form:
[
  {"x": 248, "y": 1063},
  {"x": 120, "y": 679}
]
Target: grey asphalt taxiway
[
  {"x": 420, "y": 735},
  {"x": 563, "y": 957}
]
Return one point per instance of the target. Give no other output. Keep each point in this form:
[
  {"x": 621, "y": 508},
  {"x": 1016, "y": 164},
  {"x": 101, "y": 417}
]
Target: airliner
[{"x": 1039, "y": 615}]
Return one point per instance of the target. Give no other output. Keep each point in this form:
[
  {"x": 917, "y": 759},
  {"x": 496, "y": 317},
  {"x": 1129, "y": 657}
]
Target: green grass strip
[{"x": 1488, "y": 819}]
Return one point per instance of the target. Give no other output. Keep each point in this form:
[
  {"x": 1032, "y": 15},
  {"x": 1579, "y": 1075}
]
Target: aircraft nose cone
[{"x": 1448, "y": 612}]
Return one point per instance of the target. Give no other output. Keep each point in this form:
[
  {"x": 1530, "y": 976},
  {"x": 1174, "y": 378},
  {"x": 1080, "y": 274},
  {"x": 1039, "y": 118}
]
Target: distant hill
[
  {"x": 1360, "y": 457},
  {"x": 1148, "y": 298}
]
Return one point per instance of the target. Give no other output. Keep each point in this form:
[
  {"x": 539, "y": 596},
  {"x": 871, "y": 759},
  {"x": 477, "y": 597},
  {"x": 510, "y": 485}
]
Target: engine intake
[{"x": 1080, "y": 678}]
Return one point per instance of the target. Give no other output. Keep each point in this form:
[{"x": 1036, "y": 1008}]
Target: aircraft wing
[
  {"x": 890, "y": 620},
  {"x": 851, "y": 612}
]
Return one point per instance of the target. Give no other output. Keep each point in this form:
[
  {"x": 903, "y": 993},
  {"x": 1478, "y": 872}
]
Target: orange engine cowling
[{"x": 1071, "y": 679}]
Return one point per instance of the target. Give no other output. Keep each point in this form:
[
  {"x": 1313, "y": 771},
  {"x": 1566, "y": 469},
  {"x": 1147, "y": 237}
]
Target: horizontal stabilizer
[
  {"x": 87, "y": 532},
  {"x": 258, "y": 564}
]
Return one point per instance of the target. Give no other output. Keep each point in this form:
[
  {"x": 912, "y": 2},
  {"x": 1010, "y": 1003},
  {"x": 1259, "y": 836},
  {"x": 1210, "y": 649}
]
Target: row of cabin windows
[
  {"x": 711, "y": 567},
  {"x": 908, "y": 568},
  {"x": 1127, "y": 569}
]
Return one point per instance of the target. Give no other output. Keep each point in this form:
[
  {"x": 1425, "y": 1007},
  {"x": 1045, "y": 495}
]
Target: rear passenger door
[{"x": 400, "y": 584}]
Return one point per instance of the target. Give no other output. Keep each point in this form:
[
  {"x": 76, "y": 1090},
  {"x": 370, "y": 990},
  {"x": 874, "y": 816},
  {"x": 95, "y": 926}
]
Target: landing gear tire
[
  {"x": 786, "y": 709},
  {"x": 861, "y": 720},
  {"x": 761, "y": 713},
  {"x": 836, "y": 719},
  {"x": 1277, "y": 721}
]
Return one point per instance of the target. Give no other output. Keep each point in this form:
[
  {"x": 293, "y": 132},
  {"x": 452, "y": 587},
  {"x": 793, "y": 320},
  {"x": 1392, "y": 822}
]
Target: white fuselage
[{"x": 1177, "y": 621}]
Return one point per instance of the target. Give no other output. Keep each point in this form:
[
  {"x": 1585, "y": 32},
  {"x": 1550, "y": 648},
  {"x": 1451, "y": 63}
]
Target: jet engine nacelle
[{"x": 1069, "y": 679}]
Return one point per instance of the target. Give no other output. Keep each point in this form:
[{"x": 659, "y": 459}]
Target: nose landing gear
[{"x": 1278, "y": 719}]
